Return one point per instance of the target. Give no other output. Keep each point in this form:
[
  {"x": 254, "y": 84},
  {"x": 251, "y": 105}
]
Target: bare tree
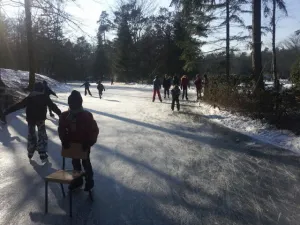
[{"x": 27, "y": 4}]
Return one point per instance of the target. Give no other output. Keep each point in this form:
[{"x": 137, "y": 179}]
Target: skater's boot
[
  {"x": 76, "y": 184},
  {"x": 43, "y": 156},
  {"x": 89, "y": 185}
]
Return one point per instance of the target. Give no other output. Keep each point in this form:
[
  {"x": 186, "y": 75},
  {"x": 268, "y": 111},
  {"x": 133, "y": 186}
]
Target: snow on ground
[
  {"x": 18, "y": 80},
  {"x": 286, "y": 84},
  {"x": 252, "y": 127},
  {"x": 151, "y": 166}
]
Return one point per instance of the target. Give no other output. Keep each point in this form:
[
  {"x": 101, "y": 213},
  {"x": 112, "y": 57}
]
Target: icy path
[{"x": 152, "y": 166}]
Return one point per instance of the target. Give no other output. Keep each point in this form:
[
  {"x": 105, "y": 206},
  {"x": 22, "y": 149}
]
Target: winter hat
[
  {"x": 75, "y": 100},
  {"x": 39, "y": 87}
]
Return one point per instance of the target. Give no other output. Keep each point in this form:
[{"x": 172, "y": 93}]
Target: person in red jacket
[
  {"x": 198, "y": 84},
  {"x": 185, "y": 84},
  {"x": 78, "y": 126}
]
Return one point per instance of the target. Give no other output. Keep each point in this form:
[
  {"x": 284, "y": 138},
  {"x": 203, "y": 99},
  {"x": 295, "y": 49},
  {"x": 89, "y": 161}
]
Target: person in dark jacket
[
  {"x": 185, "y": 84},
  {"x": 175, "y": 97},
  {"x": 176, "y": 80},
  {"x": 166, "y": 85},
  {"x": 78, "y": 126},
  {"x": 100, "y": 88},
  {"x": 198, "y": 83},
  {"x": 112, "y": 81},
  {"x": 36, "y": 104},
  {"x": 86, "y": 88},
  {"x": 156, "y": 88},
  {"x": 49, "y": 92}
]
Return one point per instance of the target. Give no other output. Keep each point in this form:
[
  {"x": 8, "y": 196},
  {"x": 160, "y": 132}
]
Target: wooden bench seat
[{"x": 63, "y": 176}]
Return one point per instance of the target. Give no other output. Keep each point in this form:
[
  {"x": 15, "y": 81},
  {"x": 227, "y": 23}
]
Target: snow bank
[
  {"x": 251, "y": 127},
  {"x": 18, "y": 80}
]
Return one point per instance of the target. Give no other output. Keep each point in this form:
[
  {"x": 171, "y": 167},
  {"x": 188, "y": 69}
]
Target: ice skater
[
  {"x": 86, "y": 85},
  {"x": 166, "y": 86},
  {"x": 49, "y": 92},
  {"x": 156, "y": 88},
  {"x": 36, "y": 109},
  {"x": 112, "y": 81},
  {"x": 78, "y": 126},
  {"x": 100, "y": 88},
  {"x": 176, "y": 80},
  {"x": 175, "y": 97},
  {"x": 198, "y": 83},
  {"x": 185, "y": 84}
]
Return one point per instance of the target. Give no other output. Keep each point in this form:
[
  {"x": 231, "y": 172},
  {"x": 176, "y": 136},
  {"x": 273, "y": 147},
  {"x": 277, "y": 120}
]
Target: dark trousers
[
  {"x": 199, "y": 90},
  {"x": 156, "y": 91},
  {"x": 100, "y": 93},
  {"x": 39, "y": 142},
  {"x": 175, "y": 100},
  {"x": 87, "y": 166},
  {"x": 87, "y": 90},
  {"x": 166, "y": 92},
  {"x": 184, "y": 93}
]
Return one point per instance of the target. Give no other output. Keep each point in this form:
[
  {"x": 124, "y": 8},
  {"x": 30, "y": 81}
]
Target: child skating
[
  {"x": 36, "y": 109},
  {"x": 86, "y": 88},
  {"x": 156, "y": 89},
  {"x": 175, "y": 97},
  {"x": 78, "y": 126},
  {"x": 100, "y": 88}
]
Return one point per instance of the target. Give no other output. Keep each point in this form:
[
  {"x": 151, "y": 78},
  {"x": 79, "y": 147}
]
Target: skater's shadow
[
  {"x": 111, "y": 100},
  {"x": 5, "y": 136},
  {"x": 50, "y": 218}
]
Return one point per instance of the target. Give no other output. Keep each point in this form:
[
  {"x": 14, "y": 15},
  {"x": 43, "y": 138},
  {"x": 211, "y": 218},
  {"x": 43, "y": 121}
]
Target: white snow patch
[
  {"x": 18, "y": 80},
  {"x": 252, "y": 127}
]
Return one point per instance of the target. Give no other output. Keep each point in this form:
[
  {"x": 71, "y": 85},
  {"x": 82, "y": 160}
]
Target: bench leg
[
  {"x": 70, "y": 201},
  {"x": 46, "y": 196},
  {"x": 63, "y": 190}
]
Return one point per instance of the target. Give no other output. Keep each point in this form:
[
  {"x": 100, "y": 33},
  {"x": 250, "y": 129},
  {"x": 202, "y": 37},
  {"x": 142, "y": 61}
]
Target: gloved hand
[{"x": 66, "y": 144}]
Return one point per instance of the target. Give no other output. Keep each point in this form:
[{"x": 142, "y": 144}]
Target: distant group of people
[
  {"x": 100, "y": 88},
  {"x": 76, "y": 125},
  {"x": 177, "y": 82}
]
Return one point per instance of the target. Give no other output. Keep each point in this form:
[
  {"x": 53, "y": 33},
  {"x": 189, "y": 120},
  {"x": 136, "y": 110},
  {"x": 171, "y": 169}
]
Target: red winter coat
[
  {"x": 81, "y": 129},
  {"x": 198, "y": 83},
  {"x": 184, "y": 82}
]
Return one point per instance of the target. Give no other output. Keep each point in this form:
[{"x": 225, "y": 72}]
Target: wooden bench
[{"x": 66, "y": 176}]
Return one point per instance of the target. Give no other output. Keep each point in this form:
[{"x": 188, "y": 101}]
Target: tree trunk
[
  {"x": 276, "y": 81},
  {"x": 227, "y": 41},
  {"x": 256, "y": 45},
  {"x": 30, "y": 44}
]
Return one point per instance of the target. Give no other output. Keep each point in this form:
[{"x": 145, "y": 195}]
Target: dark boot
[
  {"x": 89, "y": 185},
  {"x": 76, "y": 184},
  {"x": 43, "y": 156}
]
